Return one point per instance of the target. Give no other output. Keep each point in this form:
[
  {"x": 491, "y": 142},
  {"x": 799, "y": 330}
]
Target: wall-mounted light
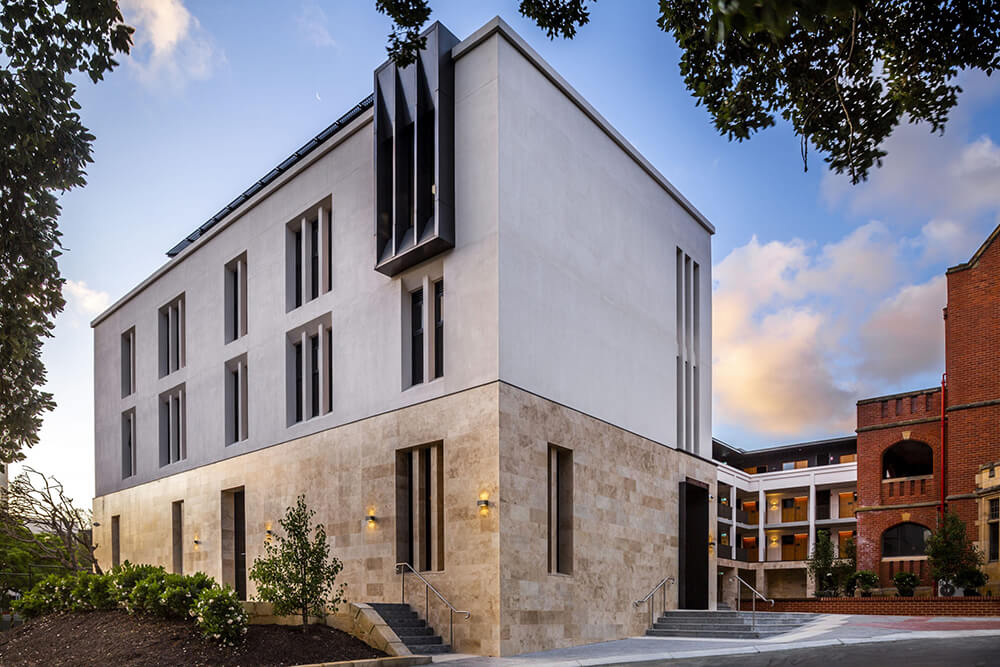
[
  {"x": 483, "y": 503},
  {"x": 268, "y": 533},
  {"x": 370, "y": 521},
  {"x": 774, "y": 539},
  {"x": 196, "y": 541}
]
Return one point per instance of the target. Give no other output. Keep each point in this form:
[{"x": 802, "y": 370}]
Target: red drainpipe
[
  {"x": 944, "y": 403},
  {"x": 944, "y": 389}
]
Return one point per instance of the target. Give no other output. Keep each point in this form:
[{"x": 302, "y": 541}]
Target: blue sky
[{"x": 824, "y": 292}]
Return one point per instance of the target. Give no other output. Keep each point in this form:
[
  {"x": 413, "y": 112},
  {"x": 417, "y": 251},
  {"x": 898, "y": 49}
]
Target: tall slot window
[
  {"x": 560, "y": 514},
  {"x": 417, "y": 337},
  {"x": 329, "y": 370},
  {"x": 237, "y": 417},
  {"x": 177, "y": 535},
  {"x": 298, "y": 267},
  {"x": 171, "y": 336},
  {"x": 298, "y": 382},
  {"x": 116, "y": 541},
  {"x": 420, "y": 507},
  {"x": 173, "y": 423},
  {"x": 236, "y": 298},
  {"x": 993, "y": 530},
  {"x": 314, "y": 378},
  {"x": 128, "y": 362},
  {"x": 688, "y": 327},
  {"x": 128, "y": 443},
  {"x": 314, "y": 259},
  {"x": 439, "y": 329}
]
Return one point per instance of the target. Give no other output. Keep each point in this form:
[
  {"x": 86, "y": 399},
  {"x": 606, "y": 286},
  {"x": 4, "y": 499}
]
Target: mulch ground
[{"x": 116, "y": 638}]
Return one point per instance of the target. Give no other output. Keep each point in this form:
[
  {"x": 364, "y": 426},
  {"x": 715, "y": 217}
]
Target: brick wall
[{"x": 962, "y": 606}]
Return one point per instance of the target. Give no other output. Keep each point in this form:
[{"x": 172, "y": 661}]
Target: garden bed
[{"x": 117, "y": 638}]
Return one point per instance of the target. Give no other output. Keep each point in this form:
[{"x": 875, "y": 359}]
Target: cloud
[
  {"x": 904, "y": 336},
  {"x": 171, "y": 48},
  {"x": 311, "y": 22},
  {"x": 801, "y": 331},
  {"x": 84, "y": 300}
]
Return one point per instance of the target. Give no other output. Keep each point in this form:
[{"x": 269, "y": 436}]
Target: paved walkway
[{"x": 826, "y": 630}]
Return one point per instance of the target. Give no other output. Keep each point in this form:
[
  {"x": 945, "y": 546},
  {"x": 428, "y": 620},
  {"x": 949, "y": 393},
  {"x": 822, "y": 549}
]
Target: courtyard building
[
  {"x": 471, "y": 323},
  {"x": 771, "y": 503}
]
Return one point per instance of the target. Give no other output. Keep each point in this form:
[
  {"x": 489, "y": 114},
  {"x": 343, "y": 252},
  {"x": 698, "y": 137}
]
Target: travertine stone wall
[
  {"x": 625, "y": 538},
  {"x": 495, "y": 441},
  {"x": 345, "y": 472}
]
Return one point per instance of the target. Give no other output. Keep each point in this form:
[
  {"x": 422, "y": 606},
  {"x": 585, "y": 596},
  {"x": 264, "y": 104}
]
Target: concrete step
[
  {"x": 744, "y": 620},
  {"x": 421, "y": 641},
  {"x": 430, "y": 649},
  {"x": 413, "y": 632},
  {"x": 708, "y": 633}
]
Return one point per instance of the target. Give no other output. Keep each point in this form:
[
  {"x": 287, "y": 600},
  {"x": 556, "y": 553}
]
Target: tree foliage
[
  {"x": 38, "y": 514},
  {"x": 45, "y": 150},
  {"x": 297, "y": 574},
  {"x": 950, "y": 554},
  {"x": 842, "y": 73},
  {"x": 829, "y": 572}
]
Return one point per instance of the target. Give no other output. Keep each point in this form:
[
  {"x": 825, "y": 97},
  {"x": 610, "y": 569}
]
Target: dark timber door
[
  {"x": 692, "y": 579},
  {"x": 240, "y": 544}
]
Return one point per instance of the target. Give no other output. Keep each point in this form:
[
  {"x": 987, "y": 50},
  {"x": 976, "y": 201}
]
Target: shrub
[
  {"x": 180, "y": 593},
  {"x": 219, "y": 615},
  {"x": 145, "y": 595},
  {"x": 971, "y": 579},
  {"x": 906, "y": 583},
  {"x": 866, "y": 581},
  {"x": 127, "y": 575},
  {"x": 50, "y": 595},
  {"x": 91, "y": 592}
]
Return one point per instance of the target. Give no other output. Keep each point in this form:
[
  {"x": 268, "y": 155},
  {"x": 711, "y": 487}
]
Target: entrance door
[
  {"x": 692, "y": 579},
  {"x": 240, "y": 544}
]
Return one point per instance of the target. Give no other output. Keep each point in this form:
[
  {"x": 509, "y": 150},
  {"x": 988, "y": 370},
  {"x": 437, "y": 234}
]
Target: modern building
[
  {"x": 917, "y": 460},
  {"x": 771, "y": 503},
  {"x": 471, "y": 323}
]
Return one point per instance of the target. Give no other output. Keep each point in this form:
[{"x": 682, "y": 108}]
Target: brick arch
[
  {"x": 904, "y": 539},
  {"x": 907, "y": 458}
]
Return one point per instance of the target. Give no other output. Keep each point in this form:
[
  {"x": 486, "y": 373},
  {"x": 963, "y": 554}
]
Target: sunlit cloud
[{"x": 171, "y": 48}]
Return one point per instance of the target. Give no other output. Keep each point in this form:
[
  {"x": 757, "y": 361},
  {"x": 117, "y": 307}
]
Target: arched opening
[
  {"x": 909, "y": 458},
  {"x": 905, "y": 539}
]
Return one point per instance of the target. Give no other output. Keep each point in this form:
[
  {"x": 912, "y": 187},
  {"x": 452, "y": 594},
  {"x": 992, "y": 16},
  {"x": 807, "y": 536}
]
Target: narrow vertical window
[
  {"x": 236, "y": 298},
  {"x": 560, "y": 513},
  {"x": 116, "y": 541},
  {"x": 128, "y": 444},
  {"x": 234, "y": 307},
  {"x": 298, "y": 267},
  {"x": 172, "y": 426},
  {"x": 298, "y": 382},
  {"x": 236, "y": 399},
  {"x": 177, "y": 535},
  {"x": 329, "y": 250},
  {"x": 171, "y": 336},
  {"x": 417, "y": 337},
  {"x": 234, "y": 378},
  {"x": 329, "y": 370},
  {"x": 314, "y": 259},
  {"x": 439, "y": 329},
  {"x": 128, "y": 362},
  {"x": 314, "y": 376},
  {"x": 420, "y": 507}
]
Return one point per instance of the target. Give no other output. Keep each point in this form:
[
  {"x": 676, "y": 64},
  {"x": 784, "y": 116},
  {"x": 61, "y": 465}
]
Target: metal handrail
[
  {"x": 756, "y": 594},
  {"x": 649, "y": 597},
  {"x": 401, "y": 568}
]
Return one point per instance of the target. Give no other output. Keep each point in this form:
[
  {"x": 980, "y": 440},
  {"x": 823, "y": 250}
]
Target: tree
[
  {"x": 45, "y": 149},
  {"x": 950, "y": 554},
  {"x": 38, "y": 514},
  {"x": 842, "y": 73},
  {"x": 297, "y": 575},
  {"x": 827, "y": 571}
]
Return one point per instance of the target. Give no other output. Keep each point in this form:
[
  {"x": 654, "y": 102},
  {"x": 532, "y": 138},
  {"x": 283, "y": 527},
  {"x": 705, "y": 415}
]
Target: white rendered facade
[{"x": 564, "y": 326}]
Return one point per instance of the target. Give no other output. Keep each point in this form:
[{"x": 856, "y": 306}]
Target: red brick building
[{"x": 911, "y": 461}]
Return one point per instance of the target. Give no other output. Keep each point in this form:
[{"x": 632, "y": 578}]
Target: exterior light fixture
[
  {"x": 774, "y": 539},
  {"x": 268, "y": 533},
  {"x": 196, "y": 542},
  {"x": 483, "y": 503},
  {"x": 369, "y": 521}
]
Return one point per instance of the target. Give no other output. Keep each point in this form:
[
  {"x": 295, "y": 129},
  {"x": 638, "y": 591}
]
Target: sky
[{"x": 823, "y": 292}]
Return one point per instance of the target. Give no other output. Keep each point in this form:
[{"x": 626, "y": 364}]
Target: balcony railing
[{"x": 725, "y": 512}]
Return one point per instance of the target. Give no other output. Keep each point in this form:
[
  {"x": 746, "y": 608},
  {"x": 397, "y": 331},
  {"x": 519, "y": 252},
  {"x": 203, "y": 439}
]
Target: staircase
[
  {"x": 727, "y": 624},
  {"x": 412, "y": 631}
]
